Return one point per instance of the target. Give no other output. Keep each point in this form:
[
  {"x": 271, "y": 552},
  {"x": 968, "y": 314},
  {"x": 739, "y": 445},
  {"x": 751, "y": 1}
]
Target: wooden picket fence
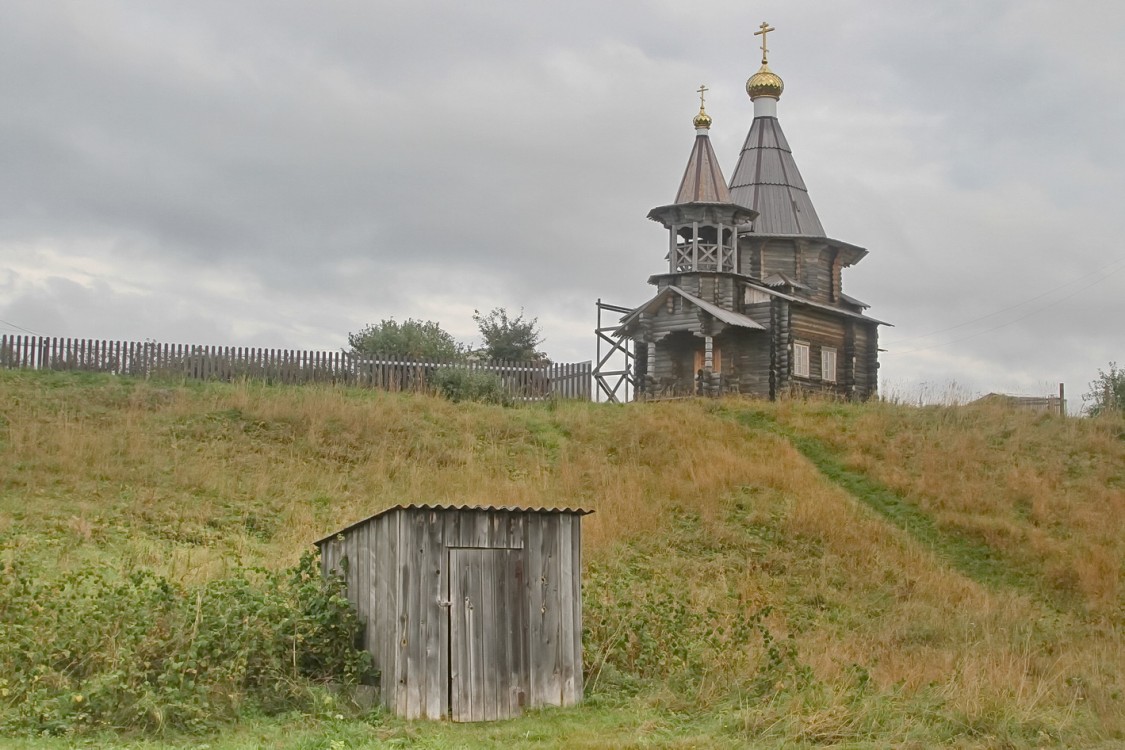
[{"x": 525, "y": 380}]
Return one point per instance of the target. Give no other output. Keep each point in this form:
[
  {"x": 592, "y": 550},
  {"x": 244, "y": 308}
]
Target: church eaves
[{"x": 766, "y": 178}]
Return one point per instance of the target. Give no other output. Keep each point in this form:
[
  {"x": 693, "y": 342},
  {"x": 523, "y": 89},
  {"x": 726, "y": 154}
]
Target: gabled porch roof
[{"x": 727, "y": 316}]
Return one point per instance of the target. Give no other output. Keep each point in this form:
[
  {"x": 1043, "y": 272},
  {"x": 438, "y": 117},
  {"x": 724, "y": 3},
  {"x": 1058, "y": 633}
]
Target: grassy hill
[{"x": 756, "y": 574}]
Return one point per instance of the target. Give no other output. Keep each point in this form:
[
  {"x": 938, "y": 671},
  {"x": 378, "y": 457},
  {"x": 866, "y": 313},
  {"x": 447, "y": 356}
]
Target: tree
[
  {"x": 1107, "y": 392},
  {"x": 415, "y": 339},
  {"x": 510, "y": 339}
]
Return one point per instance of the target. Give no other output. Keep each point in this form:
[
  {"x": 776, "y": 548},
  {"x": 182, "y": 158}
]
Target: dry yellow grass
[
  {"x": 1047, "y": 492},
  {"x": 259, "y": 473},
  {"x": 189, "y": 480}
]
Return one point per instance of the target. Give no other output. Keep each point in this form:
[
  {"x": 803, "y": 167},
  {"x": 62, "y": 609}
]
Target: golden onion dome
[
  {"x": 765, "y": 83},
  {"x": 702, "y": 120}
]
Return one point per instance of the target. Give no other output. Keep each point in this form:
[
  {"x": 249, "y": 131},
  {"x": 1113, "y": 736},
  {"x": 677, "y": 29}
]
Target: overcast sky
[{"x": 279, "y": 173}]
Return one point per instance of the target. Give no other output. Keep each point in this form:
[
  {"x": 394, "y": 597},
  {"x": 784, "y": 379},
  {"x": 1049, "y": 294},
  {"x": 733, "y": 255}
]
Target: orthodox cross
[
  {"x": 765, "y": 29},
  {"x": 702, "y": 90}
]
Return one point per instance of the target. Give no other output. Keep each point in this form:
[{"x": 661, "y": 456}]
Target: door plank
[{"x": 488, "y": 677}]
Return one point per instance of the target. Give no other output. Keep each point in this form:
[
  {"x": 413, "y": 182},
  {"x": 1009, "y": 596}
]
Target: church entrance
[{"x": 716, "y": 359}]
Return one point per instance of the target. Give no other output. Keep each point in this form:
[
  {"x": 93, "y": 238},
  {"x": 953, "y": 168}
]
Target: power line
[
  {"x": 1015, "y": 320},
  {"x": 21, "y": 328},
  {"x": 1047, "y": 293}
]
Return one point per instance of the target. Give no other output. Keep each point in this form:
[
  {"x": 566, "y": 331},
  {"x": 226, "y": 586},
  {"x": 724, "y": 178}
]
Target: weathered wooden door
[
  {"x": 716, "y": 359},
  {"x": 488, "y": 659}
]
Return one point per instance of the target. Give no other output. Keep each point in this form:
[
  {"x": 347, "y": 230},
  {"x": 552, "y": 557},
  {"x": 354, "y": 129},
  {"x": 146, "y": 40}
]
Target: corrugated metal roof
[
  {"x": 780, "y": 279},
  {"x": 819, "y": 305},
  {"x": 767, "y": 180},
  {"x": 703, "y": 180},
  {"x": 423, "y": 506},
  {"x": 727, "y": 316}
]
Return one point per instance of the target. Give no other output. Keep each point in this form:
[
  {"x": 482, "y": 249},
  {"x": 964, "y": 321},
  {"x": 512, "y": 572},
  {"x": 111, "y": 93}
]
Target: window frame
[
  {"x": 802, "y": 346},
  {"x": 828, "y": 353}
]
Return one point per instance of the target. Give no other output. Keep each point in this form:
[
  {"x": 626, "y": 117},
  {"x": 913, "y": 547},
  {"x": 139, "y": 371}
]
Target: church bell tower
[{"x": 703, "y": 221}]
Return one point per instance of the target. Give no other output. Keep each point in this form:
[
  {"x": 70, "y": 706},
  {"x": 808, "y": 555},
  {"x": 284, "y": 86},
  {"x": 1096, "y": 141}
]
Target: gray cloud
[{"x": 280, "y": 173}]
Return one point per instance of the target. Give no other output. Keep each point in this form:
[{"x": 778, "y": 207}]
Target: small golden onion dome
[
  {"x": 765, "y": 83},
  {"x": 702, "y": 120}
]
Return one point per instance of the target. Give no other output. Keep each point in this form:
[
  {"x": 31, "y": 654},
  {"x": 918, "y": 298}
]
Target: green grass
[
  {"x": 801, "y": 575},
  {"x": 634, "y": 725}
]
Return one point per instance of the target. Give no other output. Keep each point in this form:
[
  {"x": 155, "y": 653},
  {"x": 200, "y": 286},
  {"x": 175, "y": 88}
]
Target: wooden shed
[{"x": 471, "y": 613}]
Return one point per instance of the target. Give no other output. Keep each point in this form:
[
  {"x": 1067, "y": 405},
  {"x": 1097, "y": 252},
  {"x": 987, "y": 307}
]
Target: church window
[
  {"x": 828, "y": 364},
  {"x": 755, "y": 296},
  {"x": 707, "y": 289},
  {"x": 801, "y": 359}
]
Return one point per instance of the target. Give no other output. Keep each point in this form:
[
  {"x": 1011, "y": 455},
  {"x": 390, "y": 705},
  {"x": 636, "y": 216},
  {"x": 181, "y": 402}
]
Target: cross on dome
[
  {"x": 702, "y": 120},
  {"x": 765, "y": 28},
  {"x": 765, "y": 83}
]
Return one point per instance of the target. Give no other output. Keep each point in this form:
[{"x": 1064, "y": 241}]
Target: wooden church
[{"x": 752, "y": 301}]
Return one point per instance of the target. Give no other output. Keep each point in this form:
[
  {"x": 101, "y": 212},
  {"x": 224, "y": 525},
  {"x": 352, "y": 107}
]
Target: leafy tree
[
  {"x": 1107, "y": 392},
  {"x": 511, "y": 339},
  {"x": 412, "y": 338}
]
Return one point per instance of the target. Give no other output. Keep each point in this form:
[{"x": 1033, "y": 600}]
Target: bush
[
  {"x": 457, "y": 384},
  {"x": 641, "y": 623},
  {"x": 1107, "y": 394},
  {"x": 96, "y": 650},
  {"x": 414, "y": 339},
  {"x": 510, "y": 339}
]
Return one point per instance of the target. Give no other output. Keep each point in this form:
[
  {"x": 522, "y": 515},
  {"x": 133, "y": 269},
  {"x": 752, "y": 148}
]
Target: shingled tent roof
[
  {"x": 767, "y": 180},
  {"x": 703, "y": 180}
]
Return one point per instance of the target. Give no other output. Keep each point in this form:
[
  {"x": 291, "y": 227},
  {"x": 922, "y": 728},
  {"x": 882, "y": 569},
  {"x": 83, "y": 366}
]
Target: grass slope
[
  {"x": 972, "y": 557},
  {"x": 794, "y": 574}
]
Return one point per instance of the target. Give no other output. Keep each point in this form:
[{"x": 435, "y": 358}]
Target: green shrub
[
  {"x": 458, "y": 384},
  {"x": 642, "y": 624},
  {"x": 95, "y": 649}
]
